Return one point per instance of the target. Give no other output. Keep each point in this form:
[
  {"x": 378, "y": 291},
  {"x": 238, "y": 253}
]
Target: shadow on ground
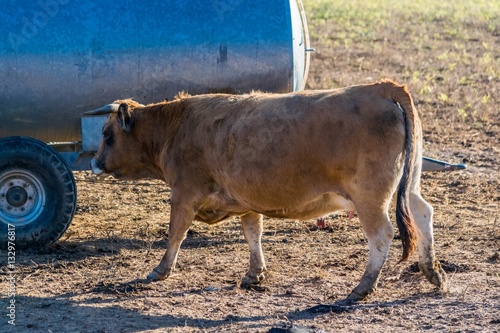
[
  {"x": 62, "y": 314},
  {"x": 71, "y": 312}
]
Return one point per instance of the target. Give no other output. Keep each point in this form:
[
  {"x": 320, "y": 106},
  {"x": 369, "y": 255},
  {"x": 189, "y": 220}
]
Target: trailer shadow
[
  {"x": 76, "y": 250},
  {"x": 65, "y": 313},
  {"x": 98, "y": 247}
]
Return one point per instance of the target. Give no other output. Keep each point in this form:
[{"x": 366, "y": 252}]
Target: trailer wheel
[{"x": 37, "y": 194}]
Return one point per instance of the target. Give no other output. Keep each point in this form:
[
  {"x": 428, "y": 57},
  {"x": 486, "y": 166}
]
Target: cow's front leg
[
  {"x": 252, "y": 229},
  {"x": 181, "y": 217}
]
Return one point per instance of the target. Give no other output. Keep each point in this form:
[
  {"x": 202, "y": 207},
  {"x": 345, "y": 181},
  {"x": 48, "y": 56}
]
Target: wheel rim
[{"x": 22, "y": 197}]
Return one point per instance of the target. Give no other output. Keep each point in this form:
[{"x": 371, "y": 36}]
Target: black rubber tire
[{"x": 37, "y": 193}]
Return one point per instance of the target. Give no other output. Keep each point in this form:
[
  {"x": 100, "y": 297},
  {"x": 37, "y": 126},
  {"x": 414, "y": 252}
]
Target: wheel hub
[
  {"x": 17, "y": 196},
  {"x": 22, "y": 197}
]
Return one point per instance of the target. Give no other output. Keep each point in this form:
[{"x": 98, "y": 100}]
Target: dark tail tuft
[{"x": 404, "y": 220}]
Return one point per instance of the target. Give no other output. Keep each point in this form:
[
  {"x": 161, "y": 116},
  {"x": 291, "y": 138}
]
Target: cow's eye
[{"x": 107, "y": 137}]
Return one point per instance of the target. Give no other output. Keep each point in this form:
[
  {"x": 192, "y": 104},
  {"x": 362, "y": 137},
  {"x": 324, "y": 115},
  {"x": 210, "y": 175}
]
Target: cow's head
[{"x": 120, "y": 152}]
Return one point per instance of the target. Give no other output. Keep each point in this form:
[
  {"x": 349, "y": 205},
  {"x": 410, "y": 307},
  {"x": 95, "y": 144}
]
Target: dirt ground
[{"x": 85, "y": 282}]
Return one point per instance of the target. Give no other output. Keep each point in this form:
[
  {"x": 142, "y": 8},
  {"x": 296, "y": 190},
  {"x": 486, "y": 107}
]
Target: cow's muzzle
[{"x": 97, "y": 167}]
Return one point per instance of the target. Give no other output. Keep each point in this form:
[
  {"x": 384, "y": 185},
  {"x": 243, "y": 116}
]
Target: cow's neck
[{"x": 157, "y": 127}]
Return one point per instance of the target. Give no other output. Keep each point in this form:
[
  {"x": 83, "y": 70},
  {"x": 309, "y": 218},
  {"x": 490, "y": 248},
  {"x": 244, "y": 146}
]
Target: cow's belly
[
  {"x": 220, "y": 207},
  {"x": 322, "y": 205},
  {"x": 213, "y": 216}
]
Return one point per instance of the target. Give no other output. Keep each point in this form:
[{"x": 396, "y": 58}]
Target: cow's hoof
[
  {"x": 354, "y": 297},
  {"x": 358, "y": 295},
  {"x": 248, "y": 281},
  {"x": 156, "y": 276},
  {"x": 436, "y": 275}
]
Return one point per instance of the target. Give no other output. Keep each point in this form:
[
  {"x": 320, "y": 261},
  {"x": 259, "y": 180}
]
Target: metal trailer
[{"x": 59, "y": 58}]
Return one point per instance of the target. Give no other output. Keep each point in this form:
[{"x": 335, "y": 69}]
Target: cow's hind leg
[
  {"x": 379, "y": 232},
  {"x": 423, "y": 213},
  {"x": 252, "y": 229}
]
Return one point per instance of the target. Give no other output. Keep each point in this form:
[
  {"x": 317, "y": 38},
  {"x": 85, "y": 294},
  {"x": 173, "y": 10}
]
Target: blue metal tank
[{"x": 59, "y": 58}]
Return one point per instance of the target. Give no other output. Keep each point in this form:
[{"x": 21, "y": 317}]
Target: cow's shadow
[{"x": 344, "y": 306}]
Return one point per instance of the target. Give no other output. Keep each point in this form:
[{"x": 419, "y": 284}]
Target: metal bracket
[{"x": 430, "y": 164}]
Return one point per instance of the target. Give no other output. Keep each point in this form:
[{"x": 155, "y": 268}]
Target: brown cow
[{"x": 299, "y": 155}]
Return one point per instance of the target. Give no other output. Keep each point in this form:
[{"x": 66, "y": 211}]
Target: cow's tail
[{"x": 404, "y": 217}]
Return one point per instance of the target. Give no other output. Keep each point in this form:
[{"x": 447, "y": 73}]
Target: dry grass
[{"x": 447, "y": 53}]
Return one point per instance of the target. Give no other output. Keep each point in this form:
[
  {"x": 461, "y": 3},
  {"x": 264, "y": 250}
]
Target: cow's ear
[{"x": 125, "y": 118}]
